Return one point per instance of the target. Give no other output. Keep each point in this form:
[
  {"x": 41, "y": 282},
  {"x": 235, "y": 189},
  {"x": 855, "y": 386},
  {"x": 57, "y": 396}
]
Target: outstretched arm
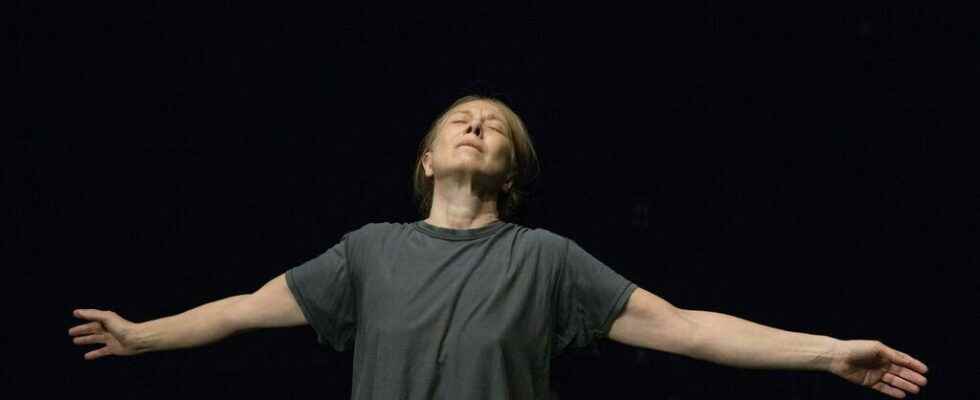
[
  {"x": 270, "y": 306},
  {"x": 651, "y": 322}
]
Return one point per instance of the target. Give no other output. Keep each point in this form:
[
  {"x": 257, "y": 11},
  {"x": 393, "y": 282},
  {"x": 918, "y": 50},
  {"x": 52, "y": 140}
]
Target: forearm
[
  {"x": 199, "y": 326},
  {"x": 732, "y": 341}
]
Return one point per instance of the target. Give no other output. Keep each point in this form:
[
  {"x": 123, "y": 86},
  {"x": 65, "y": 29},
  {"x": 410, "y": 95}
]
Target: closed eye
[{"x": 494, "y": 127}]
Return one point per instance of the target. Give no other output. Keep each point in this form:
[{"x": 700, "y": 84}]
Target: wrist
[
  {"x": 832, "y": 353},
  {"x": 141, "y": 338}
]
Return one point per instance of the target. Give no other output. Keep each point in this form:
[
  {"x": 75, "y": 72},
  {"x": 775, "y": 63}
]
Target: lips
[{"x": 470, "y": 143}]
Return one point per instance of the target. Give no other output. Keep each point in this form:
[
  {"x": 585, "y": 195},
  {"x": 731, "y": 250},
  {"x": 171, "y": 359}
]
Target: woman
[{"x": 465, "y": 305}]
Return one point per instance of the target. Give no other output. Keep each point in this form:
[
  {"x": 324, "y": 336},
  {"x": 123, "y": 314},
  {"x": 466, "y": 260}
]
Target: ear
[{"x": 427, "y": 163}]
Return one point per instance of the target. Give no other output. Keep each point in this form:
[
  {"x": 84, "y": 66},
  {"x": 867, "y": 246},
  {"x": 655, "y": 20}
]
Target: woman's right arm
[{"x": 271, "y": 306}]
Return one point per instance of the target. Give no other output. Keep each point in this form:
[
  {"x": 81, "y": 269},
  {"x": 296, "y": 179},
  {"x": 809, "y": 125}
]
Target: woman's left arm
[{"x": 651, "y": 322}]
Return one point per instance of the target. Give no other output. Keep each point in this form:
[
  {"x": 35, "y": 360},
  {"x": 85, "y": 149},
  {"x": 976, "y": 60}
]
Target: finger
[
  {"x": 900, "y": 383},
  {"x": 89, "y": 339},
  {"x": 911, "y": 362},
  {"x": 889, "y": 390},
  {"x": 97, "y": 353},
  {"x": 907, "y": 360},
  {"x": 908, "y": 374},
  {"x": 86, "y": 329}
]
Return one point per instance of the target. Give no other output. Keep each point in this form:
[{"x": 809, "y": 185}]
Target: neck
[{"x": 461, "y": 205}]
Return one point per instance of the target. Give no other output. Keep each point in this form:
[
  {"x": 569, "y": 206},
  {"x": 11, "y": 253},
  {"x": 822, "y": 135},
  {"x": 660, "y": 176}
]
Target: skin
[{"x": 467, "y": 180}]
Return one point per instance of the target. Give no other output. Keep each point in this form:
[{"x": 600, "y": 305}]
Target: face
[{"x": 472, "y": 140}]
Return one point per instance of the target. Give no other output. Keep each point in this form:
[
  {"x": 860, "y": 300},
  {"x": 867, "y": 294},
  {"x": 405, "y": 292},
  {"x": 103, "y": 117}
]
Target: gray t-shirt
[{"x": 437, "y": 313}]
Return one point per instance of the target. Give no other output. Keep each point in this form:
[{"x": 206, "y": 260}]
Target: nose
[{"x": 475, "y": 128}]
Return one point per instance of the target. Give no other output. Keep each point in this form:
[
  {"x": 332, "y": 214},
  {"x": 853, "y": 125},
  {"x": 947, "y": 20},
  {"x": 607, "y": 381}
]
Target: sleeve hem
[
  {"x": 301, "y": 301},
  {"x": 617, "y": 309}
]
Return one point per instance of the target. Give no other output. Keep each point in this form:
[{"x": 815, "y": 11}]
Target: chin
[{"x": 468, "y": 162}]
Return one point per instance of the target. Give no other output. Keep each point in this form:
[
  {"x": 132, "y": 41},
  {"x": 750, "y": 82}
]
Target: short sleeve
[
  {"x": 590, "y": 296},
  {"x": 324, "y": 289}
]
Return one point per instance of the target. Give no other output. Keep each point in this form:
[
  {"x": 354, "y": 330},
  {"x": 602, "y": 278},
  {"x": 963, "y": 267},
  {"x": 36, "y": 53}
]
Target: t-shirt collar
[{"x": 459, "y": 234}]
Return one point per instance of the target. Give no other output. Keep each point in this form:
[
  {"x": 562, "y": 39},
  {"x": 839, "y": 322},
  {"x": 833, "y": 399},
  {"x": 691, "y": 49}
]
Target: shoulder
[
  {"x": 374, "y": 234},
  {"x": 380, "y": 229},
  {"x": 542, "y": 239},
  {"x": 374, "y": 239},
  {"x": 374, "y": 228}
]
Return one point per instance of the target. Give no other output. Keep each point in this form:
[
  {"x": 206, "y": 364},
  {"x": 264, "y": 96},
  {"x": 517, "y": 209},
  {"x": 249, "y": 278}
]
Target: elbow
[
  {"x": 689, "y": 338},
  {"x": 233, "y": 317},
  {"x": 685, "y": 334}
]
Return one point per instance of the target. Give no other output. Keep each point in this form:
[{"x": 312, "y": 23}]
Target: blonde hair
[{"x": 523, "y": 164}]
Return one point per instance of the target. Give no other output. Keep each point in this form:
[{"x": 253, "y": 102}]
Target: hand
[
  {"x": 107, "y": 327},
  {"x": 871, "y": 364}
]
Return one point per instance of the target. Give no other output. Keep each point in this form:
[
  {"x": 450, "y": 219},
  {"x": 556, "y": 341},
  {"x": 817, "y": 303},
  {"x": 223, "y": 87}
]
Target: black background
[{"x": 809, "y": 168}]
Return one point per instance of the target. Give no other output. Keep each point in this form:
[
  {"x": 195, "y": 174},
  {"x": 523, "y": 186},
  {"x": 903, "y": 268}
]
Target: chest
[{"x": 478, "y": 301}]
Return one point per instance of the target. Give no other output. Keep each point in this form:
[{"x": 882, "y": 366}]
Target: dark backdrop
[{"x": 809, "y": 169}]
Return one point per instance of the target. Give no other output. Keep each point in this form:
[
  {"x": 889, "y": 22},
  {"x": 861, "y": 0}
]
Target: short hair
[{"x": 524, "y": 166}]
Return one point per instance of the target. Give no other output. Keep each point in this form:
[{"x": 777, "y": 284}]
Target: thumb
[
  {"x": 888, "y": 352},
  {"x": 94, "y": 315}
]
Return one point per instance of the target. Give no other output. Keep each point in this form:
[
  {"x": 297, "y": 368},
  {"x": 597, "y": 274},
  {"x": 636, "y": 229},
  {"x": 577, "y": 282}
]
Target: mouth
[{"x": 470, "y": 146}]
